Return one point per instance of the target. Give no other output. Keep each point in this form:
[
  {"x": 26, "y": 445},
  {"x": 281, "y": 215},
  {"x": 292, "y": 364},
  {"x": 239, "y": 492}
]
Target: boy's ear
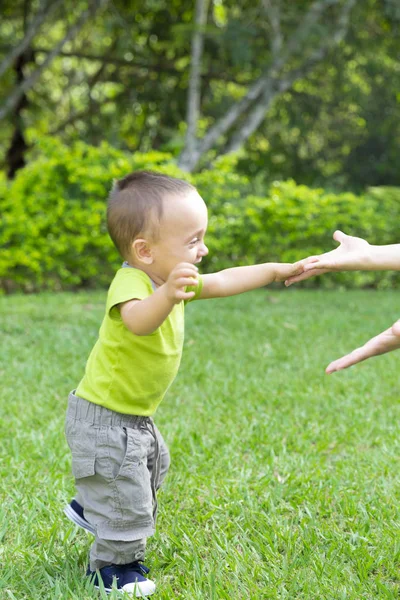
[{"x": 141, "y": 251}]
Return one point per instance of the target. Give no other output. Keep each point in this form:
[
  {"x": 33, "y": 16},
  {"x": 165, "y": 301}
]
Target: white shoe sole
[
  {"x": 140, "y": 590},
  {"x": 75, "y": 518}
]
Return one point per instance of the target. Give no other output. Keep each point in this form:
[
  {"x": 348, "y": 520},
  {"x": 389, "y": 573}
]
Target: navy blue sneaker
[
  {"x": 74, "y": 512},
  {"x": 129, "y": 578}
]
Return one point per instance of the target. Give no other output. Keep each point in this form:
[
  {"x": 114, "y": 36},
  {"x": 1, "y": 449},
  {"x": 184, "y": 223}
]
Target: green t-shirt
[{"x": 129, "y": 373}]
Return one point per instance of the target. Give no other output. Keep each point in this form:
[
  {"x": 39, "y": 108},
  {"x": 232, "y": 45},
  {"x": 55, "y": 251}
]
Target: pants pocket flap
[
  {"x": 83, "y": 466},
  {"x": 125, "y": 531}
]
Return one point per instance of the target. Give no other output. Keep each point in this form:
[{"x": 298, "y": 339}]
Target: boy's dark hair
[{"x": 136, "y": 204}]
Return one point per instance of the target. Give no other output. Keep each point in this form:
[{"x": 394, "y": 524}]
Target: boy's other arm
[
  {"x": 380, "y": 344},
  {"x": 143, "y": 317},
  {"x": 237, "y": 280}
]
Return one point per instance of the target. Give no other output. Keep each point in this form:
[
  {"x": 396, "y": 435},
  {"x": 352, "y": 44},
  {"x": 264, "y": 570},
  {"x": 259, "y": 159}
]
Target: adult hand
[
  {"x": 286, "y": 271},
  {"x": 384, "y": 342},
  {"x": 353, "y": 253}
]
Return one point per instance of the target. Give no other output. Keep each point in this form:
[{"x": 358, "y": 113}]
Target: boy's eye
[{"x": 193, "y": 242}]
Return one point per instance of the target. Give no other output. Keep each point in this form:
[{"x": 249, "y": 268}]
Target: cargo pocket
[
  {"x": 135, "y": 453},
  {"x": 83, "y": 466},
  {"x": 81, "y": 438},
  {"x": 133, "y": 481}
]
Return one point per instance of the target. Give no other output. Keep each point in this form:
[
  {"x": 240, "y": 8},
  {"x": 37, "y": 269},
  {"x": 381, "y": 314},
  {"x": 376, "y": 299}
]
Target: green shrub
[
  {"x": 53, "y": 233},
  {"x": 293, "y": 221}
]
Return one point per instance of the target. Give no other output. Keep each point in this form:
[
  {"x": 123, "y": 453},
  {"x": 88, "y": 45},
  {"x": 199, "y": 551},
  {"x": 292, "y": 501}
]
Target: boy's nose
[{"x": 204, "y": 250}]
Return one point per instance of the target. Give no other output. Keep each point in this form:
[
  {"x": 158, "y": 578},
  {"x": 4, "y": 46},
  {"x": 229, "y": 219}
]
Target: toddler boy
[{"x": 119, "y": 458}]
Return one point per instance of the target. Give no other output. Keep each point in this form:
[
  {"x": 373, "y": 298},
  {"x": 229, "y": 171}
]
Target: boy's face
[{"x": 181, "y": 235}]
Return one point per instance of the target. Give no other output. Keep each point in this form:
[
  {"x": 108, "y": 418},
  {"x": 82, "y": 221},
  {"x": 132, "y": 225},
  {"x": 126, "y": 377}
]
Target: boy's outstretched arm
[
  {"x": 380, "y": 344},
  {"x": 352, "y": 254},
  {"x": 243, "y": 279}
]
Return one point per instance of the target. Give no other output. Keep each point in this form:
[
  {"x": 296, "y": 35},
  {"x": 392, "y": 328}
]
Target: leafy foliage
[
  {"x": 54, "y": 236},
  {"x": 123, "y": 78}
]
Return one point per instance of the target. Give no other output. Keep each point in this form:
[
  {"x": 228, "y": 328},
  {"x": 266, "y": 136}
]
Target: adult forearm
[
  {"x": 143, "y": 317},
  {"x": 385, "y": 258}
]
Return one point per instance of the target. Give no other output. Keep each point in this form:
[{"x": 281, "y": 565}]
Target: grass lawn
[{"x": 284, "y": 481}]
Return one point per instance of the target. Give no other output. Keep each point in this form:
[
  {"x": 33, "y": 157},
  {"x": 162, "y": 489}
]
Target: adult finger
[
  {"x": 349, "y": 360},
  {"x": 319, "y": 265},
  {"x": 396, "y": 328},
  {"x": 304, "y": 275}
]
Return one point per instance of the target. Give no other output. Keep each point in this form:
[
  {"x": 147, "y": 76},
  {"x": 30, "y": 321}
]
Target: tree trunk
[
  {"x": 194, "y": 93},
  {"x": 15, "y": 156}
]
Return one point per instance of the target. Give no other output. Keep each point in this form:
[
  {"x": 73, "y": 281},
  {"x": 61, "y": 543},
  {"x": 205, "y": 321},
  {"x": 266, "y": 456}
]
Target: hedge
[{"x": 53, "y": 234}]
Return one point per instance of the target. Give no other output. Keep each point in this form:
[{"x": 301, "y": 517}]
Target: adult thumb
[{"x": 339, "y": 236}]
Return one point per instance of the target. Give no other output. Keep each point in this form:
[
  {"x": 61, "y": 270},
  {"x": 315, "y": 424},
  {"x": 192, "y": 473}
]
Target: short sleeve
[
  {"x": 195, "y": 288},
  {"x": 128, "y": 284}
]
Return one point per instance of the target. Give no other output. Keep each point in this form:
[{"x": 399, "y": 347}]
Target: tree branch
[
  {"x": 302, "y": 32},
  {"x": 42, "y": 14},
  {"x": 263, "y": 86},
  {"x": 273, "y": 11},
  {"x": 75, "y": 116},
  {"x": 160, "y": 67},
  {"x": 276, "y": 87},
  {"x": 115, "y": 60},
  {"x": 28, "y": 83}
]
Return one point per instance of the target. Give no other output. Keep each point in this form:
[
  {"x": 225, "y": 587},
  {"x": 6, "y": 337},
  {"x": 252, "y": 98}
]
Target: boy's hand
[
  {"x": 287, "y": 271},
  {"x": 181, "y": 276},
  {"x": 353, "y": 253}
]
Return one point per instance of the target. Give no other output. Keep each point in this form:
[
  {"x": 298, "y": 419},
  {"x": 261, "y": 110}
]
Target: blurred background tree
[{"x": 306, "y": 89}]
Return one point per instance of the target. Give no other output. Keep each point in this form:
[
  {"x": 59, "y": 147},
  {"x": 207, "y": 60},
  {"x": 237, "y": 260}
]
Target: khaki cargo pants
[{"x": 119, "y": 462}]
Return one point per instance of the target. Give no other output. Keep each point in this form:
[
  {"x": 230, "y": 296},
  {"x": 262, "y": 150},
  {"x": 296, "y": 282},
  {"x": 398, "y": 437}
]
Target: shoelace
[{"x": 139, "y": 567}]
